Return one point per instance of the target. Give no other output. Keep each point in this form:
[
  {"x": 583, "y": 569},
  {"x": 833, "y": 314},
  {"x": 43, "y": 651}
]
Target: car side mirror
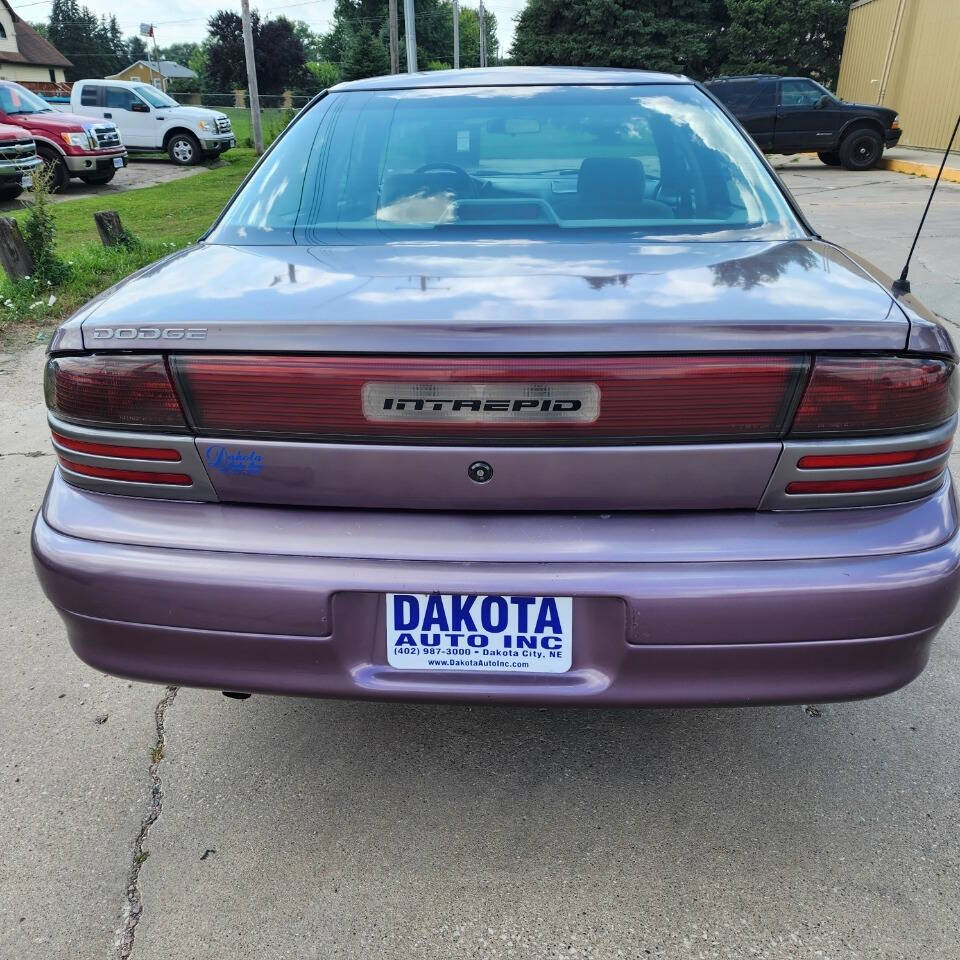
[
  {"x": 824, "y": 101},
  {"x": 138, "y": 106}
]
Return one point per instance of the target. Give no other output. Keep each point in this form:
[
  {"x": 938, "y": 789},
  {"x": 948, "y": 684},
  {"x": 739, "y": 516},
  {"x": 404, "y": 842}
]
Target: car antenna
[{"x": 902, "y": 284}]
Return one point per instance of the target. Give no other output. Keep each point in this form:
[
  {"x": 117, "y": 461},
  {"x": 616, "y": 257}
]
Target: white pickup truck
[{"x": 149, "y": 120}]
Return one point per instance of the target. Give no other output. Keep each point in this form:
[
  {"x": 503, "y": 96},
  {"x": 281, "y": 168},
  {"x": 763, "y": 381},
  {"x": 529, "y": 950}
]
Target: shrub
[{"x": 39, "y": 231}]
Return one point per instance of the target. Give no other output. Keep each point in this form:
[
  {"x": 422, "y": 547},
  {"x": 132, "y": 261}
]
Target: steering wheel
[{"x": 466, "y": 185}]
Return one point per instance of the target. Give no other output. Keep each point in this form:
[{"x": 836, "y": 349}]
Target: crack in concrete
[{"x": 133, "y": 903}]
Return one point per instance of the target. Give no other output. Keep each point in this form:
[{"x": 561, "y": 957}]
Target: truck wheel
[
  {"x": 11, "y": 192},
  {"x": 98, "y": 179},
  {"x": 183, "y": 149},
  {"x": 861, "y": 149},
  {"x": 830, "y": 159},
  {"x": 56, "y": 170}
]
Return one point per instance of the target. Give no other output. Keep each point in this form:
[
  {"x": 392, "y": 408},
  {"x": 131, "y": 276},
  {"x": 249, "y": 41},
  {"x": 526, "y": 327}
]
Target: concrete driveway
[
  {"x": 140, "y": 172},
  {"x": 295, "y": 829}
]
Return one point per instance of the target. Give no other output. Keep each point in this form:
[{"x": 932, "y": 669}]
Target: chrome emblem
[{"x": 482, "y": 402}]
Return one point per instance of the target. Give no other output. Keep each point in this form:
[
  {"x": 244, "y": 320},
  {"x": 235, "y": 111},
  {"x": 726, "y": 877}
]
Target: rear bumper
[{"x": 645, "y": 633}]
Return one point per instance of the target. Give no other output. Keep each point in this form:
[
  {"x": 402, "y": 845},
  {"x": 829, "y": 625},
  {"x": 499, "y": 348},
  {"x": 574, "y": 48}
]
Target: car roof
[
  {"x": 750, "y": 76},
  {"x": 510, "y": 77}
]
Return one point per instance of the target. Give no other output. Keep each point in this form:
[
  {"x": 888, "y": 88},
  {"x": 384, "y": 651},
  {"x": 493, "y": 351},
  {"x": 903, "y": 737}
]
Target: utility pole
[
  {"x": 252, "y": 90},
  {"x": 394, "y": 38},
  {"x": 483, "y": 35},
  {"x": 410, "y": 32},
  {"x": 456, "y": 34}
]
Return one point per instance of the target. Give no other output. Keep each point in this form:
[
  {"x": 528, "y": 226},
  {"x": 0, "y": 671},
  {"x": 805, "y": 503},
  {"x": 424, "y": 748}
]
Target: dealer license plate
[
  {"x": 476, "y": 632},
  {"x": 118, "y": 162}
]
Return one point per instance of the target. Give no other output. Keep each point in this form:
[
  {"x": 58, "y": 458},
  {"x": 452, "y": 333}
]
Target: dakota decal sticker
[{"x": 235, "y": 463}]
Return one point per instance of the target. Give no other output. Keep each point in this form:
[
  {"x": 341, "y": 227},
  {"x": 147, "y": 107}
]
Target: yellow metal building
[{"x": 905, "y": 54}]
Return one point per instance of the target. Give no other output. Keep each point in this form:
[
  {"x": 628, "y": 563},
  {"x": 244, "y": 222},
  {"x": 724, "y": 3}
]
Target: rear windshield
[{"x": 629, "y": 161}]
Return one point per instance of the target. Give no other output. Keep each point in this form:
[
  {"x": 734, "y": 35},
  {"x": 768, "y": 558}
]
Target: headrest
[{"x": 611, "y": 178}]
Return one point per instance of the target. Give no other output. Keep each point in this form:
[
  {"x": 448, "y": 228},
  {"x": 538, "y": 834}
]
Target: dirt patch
[{"x": 141, "y": 172}]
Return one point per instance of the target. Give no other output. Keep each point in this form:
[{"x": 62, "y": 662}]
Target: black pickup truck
[{"x": 798, "y": 115}]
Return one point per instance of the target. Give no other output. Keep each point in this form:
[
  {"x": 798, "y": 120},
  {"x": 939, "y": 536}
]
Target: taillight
[
  {"x": 120, "y": 451},
  {"x": 863, "y": 484},
  {"x": 844, "y": 461},
  {"x": 476, "y": 399},
  {"x": 853, "y": 396},
  {"x": 122, "y": 473},
  {"x": 113, "y": 391}
]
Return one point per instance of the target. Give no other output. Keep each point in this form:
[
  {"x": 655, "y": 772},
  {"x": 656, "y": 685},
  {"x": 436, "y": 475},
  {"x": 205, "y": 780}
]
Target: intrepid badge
[{"x": 482, "y": 402}]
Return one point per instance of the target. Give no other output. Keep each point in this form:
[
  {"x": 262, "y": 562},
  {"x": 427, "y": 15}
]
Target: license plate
[
  {"x": 233, "y": 143},
  {"x": 26, "y": 181},
  {"x": 118, "y": 162},
  {"x": 448, "y": 633}
]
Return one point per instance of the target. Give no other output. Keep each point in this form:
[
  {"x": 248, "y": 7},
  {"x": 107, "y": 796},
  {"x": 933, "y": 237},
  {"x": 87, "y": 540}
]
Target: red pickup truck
[
  {"x": 18, "y": 161},
  {"x": 69, "y": 145}
]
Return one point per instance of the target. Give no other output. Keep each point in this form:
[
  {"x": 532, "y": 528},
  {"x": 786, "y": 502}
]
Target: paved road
[{"x": 300, "y": 829}]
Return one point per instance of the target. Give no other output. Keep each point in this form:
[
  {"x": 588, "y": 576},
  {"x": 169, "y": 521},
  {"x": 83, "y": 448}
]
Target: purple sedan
[{"x": 519, "y": 385}]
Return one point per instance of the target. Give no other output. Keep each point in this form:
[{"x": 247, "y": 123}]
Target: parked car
[
  {"x": 519, "y": 384},
  {"x": 18, "y": 161},
  {"x": 150, "y": 120},
  {"x": 798, "y": 115},
  {"x": 69, "y": 145}
]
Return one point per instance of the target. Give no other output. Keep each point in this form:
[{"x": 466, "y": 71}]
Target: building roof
[
  {"x": 169, "y": 69},
  {"x": 511, "y": 76},
  {"x": 31, "y": 47}
]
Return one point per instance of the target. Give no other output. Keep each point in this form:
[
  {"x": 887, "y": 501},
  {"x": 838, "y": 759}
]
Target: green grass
[
  {"x": 178, "y": 211},
  {"x": 272, "y": 120},
  {"x": 161, "y": 218}
]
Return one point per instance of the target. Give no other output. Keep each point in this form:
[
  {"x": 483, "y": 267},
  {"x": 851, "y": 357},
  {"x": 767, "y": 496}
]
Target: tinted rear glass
[
  {"x": 646, "y": 160},
  {"x": 736, "y": 94}
]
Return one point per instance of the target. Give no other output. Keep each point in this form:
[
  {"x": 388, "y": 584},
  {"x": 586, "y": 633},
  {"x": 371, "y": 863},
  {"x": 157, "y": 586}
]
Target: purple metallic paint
[
  {"x": 646, "y": 632},
  {"x": 668, "y": 477},
  {"x": 561, "y": 538},
  {"x": 510, "y": 296}
]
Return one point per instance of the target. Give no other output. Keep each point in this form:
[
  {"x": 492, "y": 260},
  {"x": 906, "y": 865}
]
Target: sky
[{"x": 178, "y": 21}]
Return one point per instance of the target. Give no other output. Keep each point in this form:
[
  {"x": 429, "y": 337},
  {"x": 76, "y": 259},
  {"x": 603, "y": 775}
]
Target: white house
[{"x": 24, "y": 55}]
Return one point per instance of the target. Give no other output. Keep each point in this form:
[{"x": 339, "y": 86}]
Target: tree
[
  {"x": 279, "y": 54},
  {"x": 325, "y": 74},
  {"x": 700, "y": 38},
  {"x": 95, "y": 45},
  {"x": 137, "y": 49},
  {"x": 310, "y": 40},
  {"x": 181, "y": 53},
  {"x": 281, "y": 59},
  {"x": 364, "y": 55},
  {"x": 676, "y": 36},
  {"x": 802, "y": 37},
  {"x": 226, "y": 65}
]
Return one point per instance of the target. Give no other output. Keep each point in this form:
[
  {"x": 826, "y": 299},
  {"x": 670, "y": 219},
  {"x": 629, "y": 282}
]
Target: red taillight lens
[
  {"x": 133, "y": 476},
  {"x": 862, "y": 484},
  {"x": 862, "y": 395},
  {"x": 115, "y": 450},
  {"x": 113, "y": 391},
  {"x": 840, "y": 461},
  {"x": 636, "y": 398}
]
